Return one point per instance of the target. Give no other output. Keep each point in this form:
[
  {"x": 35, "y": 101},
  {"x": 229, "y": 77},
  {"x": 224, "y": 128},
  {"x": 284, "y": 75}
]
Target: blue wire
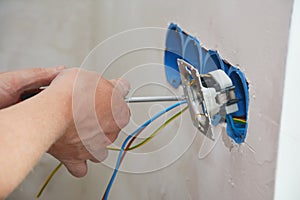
[{"x": 129, "y": 137}]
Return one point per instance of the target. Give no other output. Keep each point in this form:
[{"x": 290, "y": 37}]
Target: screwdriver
[
  {"x": 143, "y": 99},
  {"x": 153, "y": 99}
]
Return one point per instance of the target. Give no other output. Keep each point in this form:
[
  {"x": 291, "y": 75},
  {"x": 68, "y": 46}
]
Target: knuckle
[
  {"x": 8, "y": 86},
  {"x": 73, "y": 70},
  {"x": 39, "y": 70},
  {"x": 113, "y": 136}
]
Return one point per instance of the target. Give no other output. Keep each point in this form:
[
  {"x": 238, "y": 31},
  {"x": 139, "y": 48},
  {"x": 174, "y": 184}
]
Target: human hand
[
  {"x": 15, "y": 83},
  {"x": 98, "y": 114}
]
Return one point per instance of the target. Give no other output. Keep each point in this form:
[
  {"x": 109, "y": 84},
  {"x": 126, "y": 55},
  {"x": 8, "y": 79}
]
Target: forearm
[{"x": 27, "y": 130}]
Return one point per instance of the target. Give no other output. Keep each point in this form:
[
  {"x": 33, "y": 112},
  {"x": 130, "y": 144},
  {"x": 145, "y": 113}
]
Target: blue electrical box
[{"x": 181, "y": 45}]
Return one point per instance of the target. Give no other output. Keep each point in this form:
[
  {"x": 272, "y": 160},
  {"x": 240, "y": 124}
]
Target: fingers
[
  {"x": 33, "y": 78},
  {"x": 120, "y": 110},
  {"x": 96, "y": 147},
  {"x": 112, "y": 111},
  {"x": 77, "y": 169},
  {"x": 14, "y": 83},
  {"x": 122, "y": 85},
  {"x": 80, "y": 169},
  {"x": 100, "y": 156},
  {"x": 99, "y": 113}
]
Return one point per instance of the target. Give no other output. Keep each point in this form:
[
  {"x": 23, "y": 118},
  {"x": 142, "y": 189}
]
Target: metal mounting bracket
[{"x": 210, "y": 96}]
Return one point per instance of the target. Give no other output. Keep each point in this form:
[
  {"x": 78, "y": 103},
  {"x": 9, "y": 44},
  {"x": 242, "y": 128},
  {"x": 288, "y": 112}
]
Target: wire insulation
[
  {"x": 152, "y": 134},
  {"x": 239, "y": 120},
  {"x": 105, "y": 197},
  {"x": 48, "y": 180},
  {"x": 128, "y": 147}
]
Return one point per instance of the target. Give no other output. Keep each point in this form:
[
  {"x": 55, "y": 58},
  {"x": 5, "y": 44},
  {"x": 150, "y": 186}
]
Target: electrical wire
[
  {"x": 156, "y": 131},
  {"x": 129, "y": 144},
  {"x": 47, "y": 180},
  {"x": 105, "y": 196},
  {"x": 239, "y": 120},
  {"x": 159, "y": 129},
  {"x": 152, "y": 134},
  {"x": 128, "y": 148}
]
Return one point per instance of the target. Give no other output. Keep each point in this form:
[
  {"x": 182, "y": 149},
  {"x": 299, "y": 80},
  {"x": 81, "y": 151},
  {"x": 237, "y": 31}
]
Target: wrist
[{"x": 56, "y": 105}]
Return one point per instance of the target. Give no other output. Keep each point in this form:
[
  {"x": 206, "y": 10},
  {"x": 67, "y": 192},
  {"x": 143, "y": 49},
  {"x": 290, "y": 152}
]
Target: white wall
[
  {"x": 250, "y": 34},
  {"x": 288, "y": 175}
]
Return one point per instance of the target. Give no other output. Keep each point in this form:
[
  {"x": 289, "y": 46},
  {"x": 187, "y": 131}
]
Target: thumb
[
  {"x": 34, "y": 78},
  {"x": 14, "y": 83},
  {"x": 77, "y": 169}
]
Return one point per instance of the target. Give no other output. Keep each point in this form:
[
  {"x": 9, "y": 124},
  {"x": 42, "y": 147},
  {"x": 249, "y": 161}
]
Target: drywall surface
[
  {"x": 250, "y": 34},
  {"x": 287, "y": 175}
]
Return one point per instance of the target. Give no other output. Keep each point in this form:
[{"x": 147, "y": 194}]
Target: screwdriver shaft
[{"x": 154, "y": 99}]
